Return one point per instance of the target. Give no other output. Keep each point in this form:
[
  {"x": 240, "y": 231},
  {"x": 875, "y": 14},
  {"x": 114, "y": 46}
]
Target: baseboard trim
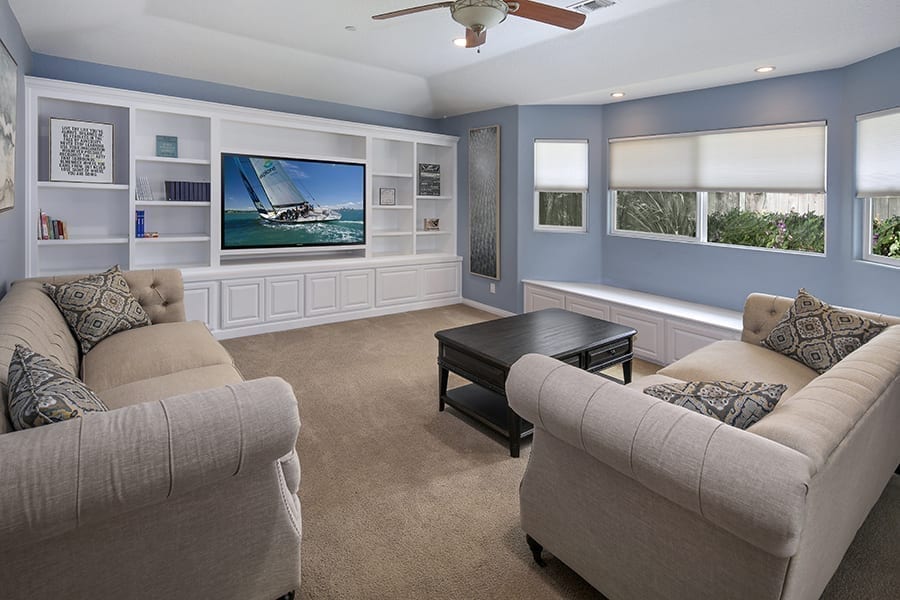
[{"x": 487, "y": 308}]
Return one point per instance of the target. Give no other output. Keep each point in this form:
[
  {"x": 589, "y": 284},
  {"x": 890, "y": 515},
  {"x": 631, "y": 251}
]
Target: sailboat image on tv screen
[{"x": 283, "y": 202}]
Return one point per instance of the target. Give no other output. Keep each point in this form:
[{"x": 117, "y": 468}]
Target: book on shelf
[
  {"x": 143, "y": 191},
  {"x": 187, "y": 191},
  {"x": 52, "y": 229}
]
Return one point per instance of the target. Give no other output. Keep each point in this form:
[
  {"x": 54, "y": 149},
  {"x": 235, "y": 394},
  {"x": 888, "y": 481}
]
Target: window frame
[
  {"x": 538, "y": 226},
  {"x": 868, "y": 200},
  {"x": 867, "y": 254}
]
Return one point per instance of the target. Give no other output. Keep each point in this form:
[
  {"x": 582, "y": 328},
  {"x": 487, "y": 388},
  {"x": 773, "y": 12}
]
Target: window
[
  {"x": 878, "y": 184},
  {"x": 760, "y": 187},
  {"x": 560, "y": 185}
]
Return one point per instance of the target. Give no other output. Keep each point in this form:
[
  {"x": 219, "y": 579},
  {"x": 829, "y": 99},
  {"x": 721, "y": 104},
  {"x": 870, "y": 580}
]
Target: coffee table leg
[
  {"x": 626, "y": 371},
  {"x": 443, "y": 375},
  {"x": 515, "y": 432}
]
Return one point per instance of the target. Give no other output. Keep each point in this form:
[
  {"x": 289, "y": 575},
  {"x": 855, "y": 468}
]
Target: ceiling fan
[{"x": 477, "y": 16}]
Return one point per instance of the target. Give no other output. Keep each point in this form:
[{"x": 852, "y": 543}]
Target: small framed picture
[
  {"x": 432, "y": 224},
  {"x": 167, "y": 146},
  {"x": 387, "y": 196},
  {"x": 81, "y": 151}
]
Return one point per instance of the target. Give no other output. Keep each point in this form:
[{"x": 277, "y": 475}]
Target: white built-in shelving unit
[{"x": 401, "y": 264}]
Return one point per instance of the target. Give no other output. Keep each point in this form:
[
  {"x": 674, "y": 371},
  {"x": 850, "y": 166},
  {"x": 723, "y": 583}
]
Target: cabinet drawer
[
  {"x": 574, "y": 360},
  {"x": 601, "y": 356},
  {"x": 473, "y": 368}
]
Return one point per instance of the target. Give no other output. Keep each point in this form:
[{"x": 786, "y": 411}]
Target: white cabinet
[
  {"x": 440, "y": 281},
  {"x": 322, "y": 294},
  {"x": 243, "y": 301},
  {"x": 539, "y": 299},
  {"x": 591, "y": 308},
  {"x": 357, "y": 291},
  {"x": 284, "y": 297},
  {"x": 201, "y": 302},
  {"x": 683, "y": 337},
  {"x": 396, "y": 285},
  {"x": 649, "y": 343}
]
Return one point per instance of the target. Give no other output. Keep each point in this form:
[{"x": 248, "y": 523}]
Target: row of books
[
  {"x": 176, "y": 191},
  {"x": 52, "y": 229}
]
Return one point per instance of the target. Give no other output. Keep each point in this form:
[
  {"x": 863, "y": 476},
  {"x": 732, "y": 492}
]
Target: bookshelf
[{"x": 100, "y": 218}]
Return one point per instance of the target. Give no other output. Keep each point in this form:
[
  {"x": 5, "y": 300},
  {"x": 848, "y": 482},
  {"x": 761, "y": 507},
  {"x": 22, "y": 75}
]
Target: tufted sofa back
[
  {"x": 763, "y": 311},
  {"x": 28, "y": 316}
]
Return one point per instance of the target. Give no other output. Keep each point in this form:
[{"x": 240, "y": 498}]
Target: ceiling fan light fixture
[
  {"x": 479, "y": 15},
  {"x": 460, "y": 42}
]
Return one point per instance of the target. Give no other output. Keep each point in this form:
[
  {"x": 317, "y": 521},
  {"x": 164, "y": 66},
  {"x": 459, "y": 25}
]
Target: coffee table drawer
[
  {"x": 474, "y": 368},
  {"x": 602, "y": 356}
]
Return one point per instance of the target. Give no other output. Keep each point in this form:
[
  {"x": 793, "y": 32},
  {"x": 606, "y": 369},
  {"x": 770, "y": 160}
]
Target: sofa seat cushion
[
  {"x": 739, "y": 361},
  {"x": 173, "y": 384},
  {"x": 139, "y": 354}
]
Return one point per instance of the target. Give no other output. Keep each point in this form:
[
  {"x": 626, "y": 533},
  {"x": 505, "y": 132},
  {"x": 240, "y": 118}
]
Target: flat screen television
[{"x": 271, "y": 202}]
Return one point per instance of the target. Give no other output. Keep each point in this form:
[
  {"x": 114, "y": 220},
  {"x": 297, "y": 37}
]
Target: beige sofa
[
  {"x": 645, "y": 499},
  {"x": 186, "y": 488}
]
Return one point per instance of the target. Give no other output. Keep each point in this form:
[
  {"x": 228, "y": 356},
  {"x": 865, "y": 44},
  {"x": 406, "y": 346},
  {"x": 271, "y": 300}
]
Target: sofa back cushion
[
  {"x": 817, "y": 418},
  {"x": 763, "y": 311},
  {"x": 29, "y": 317}
]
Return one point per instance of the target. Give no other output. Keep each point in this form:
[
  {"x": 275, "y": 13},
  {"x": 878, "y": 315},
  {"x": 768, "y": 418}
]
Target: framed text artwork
[
  {"x": 8, "y": 93},
  {"x": 484, "y": 201},
  {"x": 81, "y": 151}
]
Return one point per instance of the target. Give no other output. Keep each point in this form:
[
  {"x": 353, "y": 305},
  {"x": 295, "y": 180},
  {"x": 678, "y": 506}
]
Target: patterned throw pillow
[
  {"x": 819, "y": 335},
  {"x": 737, "y": 403},
  {"x": 98, "y": 306},
  {"x": 42, "y": 392}
]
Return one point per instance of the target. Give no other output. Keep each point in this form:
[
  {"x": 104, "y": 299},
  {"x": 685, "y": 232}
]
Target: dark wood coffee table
[{"x": 484, "y": 352}]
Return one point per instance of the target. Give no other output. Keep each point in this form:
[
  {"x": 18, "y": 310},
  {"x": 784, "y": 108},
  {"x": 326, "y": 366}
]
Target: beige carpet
[{"x": 401, "y": 501}]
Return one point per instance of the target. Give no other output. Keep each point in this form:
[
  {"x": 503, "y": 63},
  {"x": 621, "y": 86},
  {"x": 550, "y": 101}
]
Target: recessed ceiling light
[
  {"x": 460, "y": 42},
  {"x": 350, "y": 28},
  {"x": 618, "y": 94},
  {"x": 766, "y": 69}
]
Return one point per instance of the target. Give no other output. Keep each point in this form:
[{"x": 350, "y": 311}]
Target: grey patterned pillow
[
  {"x": 737, "y": 403},
  {"x": 42, "y": 392},
  {"x": 819, "y": 335},
  {"x": 98, "y": 306}
]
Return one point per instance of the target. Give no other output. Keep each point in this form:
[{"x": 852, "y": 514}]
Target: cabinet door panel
[
  {"x": 242, "y": 302},
  {"x": 284, "y": 297},
  {"x": 440, "y": 281},
  {"x": 201, "y": 303},
  {"x": 539, "y": 299},
  {"x": 397, "y": 285},
  {"x": 357, "y": 289},
  {"x": 321, "y": 293},
  {"x": 682, "y": 338},
  {"x": 585, "y": 306},
  {"x": 649, "y": 343}
]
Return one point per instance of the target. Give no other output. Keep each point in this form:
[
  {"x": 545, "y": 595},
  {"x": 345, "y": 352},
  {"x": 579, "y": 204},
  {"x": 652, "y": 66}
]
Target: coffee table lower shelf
[{"x": 489, "y": 409}]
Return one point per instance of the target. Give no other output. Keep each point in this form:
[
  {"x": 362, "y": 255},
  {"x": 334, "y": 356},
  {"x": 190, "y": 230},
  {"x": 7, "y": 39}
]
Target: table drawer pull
[{"x": 603, "y": 355}]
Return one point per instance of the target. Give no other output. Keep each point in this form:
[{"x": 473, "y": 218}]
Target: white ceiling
[{"x": 408, "y": 64}]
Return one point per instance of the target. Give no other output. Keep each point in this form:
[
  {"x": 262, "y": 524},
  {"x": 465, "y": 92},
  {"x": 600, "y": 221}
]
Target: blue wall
[
  {"x": 719, "y": 276},
  {"x": 474, "y": 287},
  {"x": 53, "y": 67},
  {"x": 12, "y": 228}
]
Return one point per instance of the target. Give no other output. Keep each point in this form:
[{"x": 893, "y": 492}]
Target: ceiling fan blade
[
  {"x": 552, "y": 15},
  {"x": 409, "y": 11},
  {"x": 473, "y": 40}
]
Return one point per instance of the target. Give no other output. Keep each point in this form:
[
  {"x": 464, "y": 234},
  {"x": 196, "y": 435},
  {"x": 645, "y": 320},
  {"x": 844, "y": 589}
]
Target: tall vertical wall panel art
[
  {"x": 8, "y": 81},
  {"x": 484, "y": 201}
]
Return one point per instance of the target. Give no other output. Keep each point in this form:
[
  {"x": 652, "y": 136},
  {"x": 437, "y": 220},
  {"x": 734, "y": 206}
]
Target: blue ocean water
[{"x": 244, "y": 229}]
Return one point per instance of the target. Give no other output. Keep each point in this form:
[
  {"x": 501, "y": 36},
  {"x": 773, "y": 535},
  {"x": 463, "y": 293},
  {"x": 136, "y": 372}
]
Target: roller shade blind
[
  {"x": 878, "y": 154},
  {"x": 788, "y": 158},
  {"x": 560, "y": 165}
]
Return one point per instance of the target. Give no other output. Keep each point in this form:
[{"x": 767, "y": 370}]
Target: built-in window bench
[{"x": 668, "y": 329}]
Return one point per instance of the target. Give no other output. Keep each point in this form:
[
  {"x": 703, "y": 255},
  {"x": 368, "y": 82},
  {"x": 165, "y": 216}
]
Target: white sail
[{"x": 279, "y": 188}]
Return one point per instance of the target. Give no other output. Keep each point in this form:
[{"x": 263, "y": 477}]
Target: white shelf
[
  {"x": 439, "y": 232},
  {"x": 173, "y": 239},
  {"x": 84, "y": 241},
  {"x": 390, "y": 233},
  {"x": 170, "y": 203},
  {"x": 396, "y": 175},
  {"x": 434, "y": 197},
  {"x": 73, "y": 185},
  {"x": 400, "y": 207},
  {"x": 173, "y": 161}
]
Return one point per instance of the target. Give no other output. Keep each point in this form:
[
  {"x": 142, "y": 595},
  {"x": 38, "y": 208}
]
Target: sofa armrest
[
  {"x": 56, "y": 478},
  {"x": 750, "y": 486}
]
